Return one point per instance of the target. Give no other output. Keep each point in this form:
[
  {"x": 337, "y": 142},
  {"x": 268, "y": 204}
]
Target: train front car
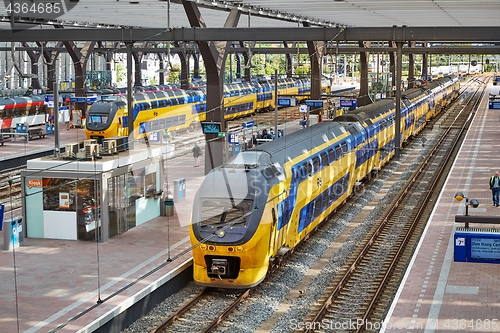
[
  {"x": 231, "y": 227},
  {"x": 104, "y": 118}
]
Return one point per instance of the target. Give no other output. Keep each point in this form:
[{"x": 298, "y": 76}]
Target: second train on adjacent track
[
  {"x": 251, "y": 211},
  {"x": 178, "y": 109}
]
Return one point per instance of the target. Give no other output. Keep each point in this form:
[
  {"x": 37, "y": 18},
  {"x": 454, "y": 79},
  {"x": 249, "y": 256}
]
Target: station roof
[
  {"x": 287, "y": 13},
  {"x": 163, "y": 14}
]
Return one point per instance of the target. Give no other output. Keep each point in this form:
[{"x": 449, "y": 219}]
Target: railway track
[
  {"x": 361, "y": 293},
  {"x": 203, "y": 313},
  {"x": 10, "y": 188}
]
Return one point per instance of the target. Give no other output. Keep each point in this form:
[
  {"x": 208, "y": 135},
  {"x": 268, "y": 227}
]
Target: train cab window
[
  {"x": 324, "y": 159},
  {"x": 316, "y": 163}
]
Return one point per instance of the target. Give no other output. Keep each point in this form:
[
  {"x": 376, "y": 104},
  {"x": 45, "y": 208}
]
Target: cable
[
  {"x": 97, "y": 230},
  {"x": 14, "y": 253}
]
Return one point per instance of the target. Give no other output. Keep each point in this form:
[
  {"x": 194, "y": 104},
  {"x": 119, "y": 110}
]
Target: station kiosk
[{"x": 91, "y": 187}]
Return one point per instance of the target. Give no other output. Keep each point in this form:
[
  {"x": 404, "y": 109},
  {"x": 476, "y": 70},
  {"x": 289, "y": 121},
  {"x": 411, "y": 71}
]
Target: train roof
[
  {"x": 370, "y": 111},
  {"x": 292, "y": 145}
]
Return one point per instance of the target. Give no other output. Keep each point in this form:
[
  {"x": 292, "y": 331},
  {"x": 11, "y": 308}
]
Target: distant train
[
  {"x": 178, "y": 109},
  {"x": 31, "y": 110},
  {"x": 255, "y": 208}
]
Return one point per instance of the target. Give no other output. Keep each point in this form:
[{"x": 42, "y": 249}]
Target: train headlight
[
  {"x": 203, "y": 247},
  {"x": 221, "y": 233},
  {"x": 239, "y": 249}
]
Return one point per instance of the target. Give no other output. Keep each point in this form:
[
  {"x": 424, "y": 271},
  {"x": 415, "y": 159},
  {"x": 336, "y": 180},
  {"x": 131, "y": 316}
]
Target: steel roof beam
[{"x": 403, "y": 34}]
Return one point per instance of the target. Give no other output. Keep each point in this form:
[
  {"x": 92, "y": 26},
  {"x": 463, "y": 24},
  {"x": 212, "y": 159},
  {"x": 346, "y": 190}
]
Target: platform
[
  {"x": 59, "y": 282},
  {"x": 438, "y": 294},
  {"x": 59, "y": 285}
]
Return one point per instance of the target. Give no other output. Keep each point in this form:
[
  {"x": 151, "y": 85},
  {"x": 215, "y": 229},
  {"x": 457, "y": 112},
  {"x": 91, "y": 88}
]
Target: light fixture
[{"x": 459, "y": 196}]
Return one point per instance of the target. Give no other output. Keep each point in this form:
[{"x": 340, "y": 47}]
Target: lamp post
[{"x": 459, "y": 196}]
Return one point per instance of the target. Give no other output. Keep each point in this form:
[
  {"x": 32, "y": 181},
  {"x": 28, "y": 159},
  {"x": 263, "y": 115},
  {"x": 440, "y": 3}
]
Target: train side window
[
  {"x": 317, "y": 164},
  {"x": 324, "y": 158},
  {"x": 331, "y": 154},
  {"x": 326, "y": 196},
  {"x": 344, "y": 147},
  {"x": 332, "y": 194},
  {"x": 307, "y": 169},
  {"x": 338, "y": 150},
  {"x": 317, "y": 206},
  {"x": 302, "y": 171}
]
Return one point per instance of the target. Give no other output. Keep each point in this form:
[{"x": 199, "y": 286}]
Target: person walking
[
  {"x": 196, "y": 154},
  {"x": 495, "y": 188}
]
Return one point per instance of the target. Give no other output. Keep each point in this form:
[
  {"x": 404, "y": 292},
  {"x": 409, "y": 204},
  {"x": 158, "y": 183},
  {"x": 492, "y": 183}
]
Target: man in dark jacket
[
  {"x": 196, "y": 154},
  {"x": 495, "y": 188}
]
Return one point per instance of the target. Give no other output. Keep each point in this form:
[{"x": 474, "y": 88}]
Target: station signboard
[
  {"x": 477, "y": 246},
  {"x": 348, "y": 103},
  {"x": 232, "y": 138},
  {"x": 286, "y": 101},
  {"x": 248, "y": 124},
  {"x": 314, "y": 103}
]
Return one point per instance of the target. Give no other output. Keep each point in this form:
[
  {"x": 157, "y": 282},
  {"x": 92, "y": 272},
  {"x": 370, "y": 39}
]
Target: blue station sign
[
  {"x": 348, "y": 103},
  {"x": 477, "y": 246},
  {"x": 248, "y": 124},
  {"x": 314, "y": 103}
]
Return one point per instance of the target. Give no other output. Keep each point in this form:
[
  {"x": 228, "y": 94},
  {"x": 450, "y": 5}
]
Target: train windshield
[
  {"x": 97, "y": 118},
  {"x": 224, "y": 211}
]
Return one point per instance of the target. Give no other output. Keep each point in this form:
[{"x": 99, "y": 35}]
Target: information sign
[
  {"x": 476, "y": 246},
  {"x": 154, "y": 137},
  {"x": 248, "y": 124},
  {"x": 348, "y": 103},
  {"x": 314, "y": 103},
  {"x": 494, "y": 104},
  {"x": 232, "y": 138},
  {"x": 284, "y": 101}
]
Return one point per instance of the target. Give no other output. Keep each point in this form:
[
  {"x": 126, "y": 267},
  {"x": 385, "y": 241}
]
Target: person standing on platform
[
  {"x": 196, "y": 154},
  {"x": 495, "y": 188}
]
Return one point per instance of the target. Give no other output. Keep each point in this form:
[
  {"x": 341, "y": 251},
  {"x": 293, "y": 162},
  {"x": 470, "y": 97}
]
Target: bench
[
  {"x": 39, "y": 132},
  {"x": 4, "y": 138}
]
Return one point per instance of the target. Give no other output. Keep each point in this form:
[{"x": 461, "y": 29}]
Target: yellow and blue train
[
  {"x": 259, "y": 205},
  {"x": 178, "y": 109}
]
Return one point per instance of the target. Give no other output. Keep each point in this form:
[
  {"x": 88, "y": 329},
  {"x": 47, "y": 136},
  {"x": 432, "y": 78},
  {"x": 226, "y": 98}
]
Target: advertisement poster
[{"x": 64, "y": 200}]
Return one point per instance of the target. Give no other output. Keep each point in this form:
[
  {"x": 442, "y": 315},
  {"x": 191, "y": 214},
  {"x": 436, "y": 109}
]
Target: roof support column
[
  {"x": 392, "y": 69},
  {"x": 411, "y": 66},
  {"x": 425, "y": 65},
  {"x": 80, "y": 58},
  {"x": 364, "y": 97},
  {"x": 130, "y": 100},
  {"x": 214, "y": 56},
  {"x": 399, "y": 71},
  {"x": 34, "y": 56},
  {"x": 289, "y": 61},
  {"x": 316, "y": 51},
  {"x": 50, "y": 62},
  {"x": 184, "y": 67}
]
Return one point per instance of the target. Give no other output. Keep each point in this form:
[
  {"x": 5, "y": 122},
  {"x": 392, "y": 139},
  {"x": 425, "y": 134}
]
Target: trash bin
[
  {"x": 169, "y": 206},
  {"x": 179, "y": 189},
  {"x": 11, "y": 233},
  {"x": 21, "y": 127},
  {"x": 49, "y": 128}
]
